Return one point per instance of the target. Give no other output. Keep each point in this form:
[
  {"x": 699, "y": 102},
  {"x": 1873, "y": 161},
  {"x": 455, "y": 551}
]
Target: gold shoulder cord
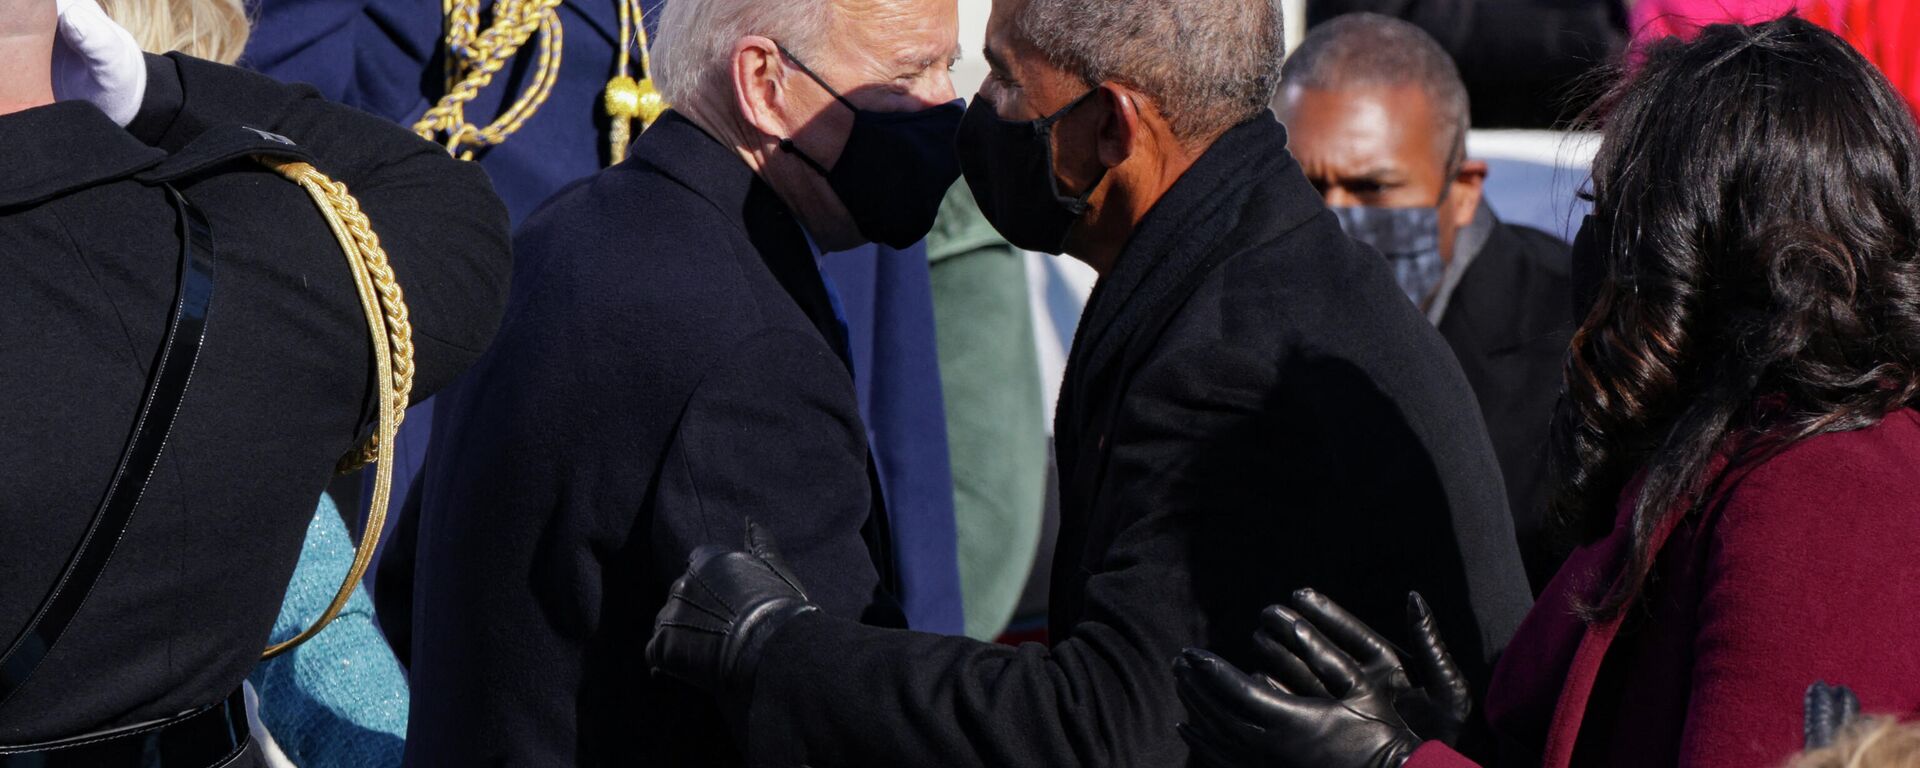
[
  {"x": 474, "y": 57},
  {"x": 392, "y": 335}
]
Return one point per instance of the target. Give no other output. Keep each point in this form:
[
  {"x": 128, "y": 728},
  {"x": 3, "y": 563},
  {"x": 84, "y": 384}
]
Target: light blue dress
[{"x": 340, "y": 699}]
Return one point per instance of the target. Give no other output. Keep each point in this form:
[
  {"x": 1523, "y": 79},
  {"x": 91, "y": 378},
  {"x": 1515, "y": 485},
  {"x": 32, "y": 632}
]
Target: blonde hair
[
  {"x": 1880, "y": 742},
  {"x": 215, "y": 30}
]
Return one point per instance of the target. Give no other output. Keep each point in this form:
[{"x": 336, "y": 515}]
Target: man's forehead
[
  {"x": 901, "y": 32},
  {"x": 1363, "y": 130}
]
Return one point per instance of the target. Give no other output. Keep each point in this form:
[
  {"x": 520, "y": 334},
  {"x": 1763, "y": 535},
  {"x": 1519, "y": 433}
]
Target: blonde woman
[
  {"x": 215, "y": 30},
  {"x": 187, "y": 359}
]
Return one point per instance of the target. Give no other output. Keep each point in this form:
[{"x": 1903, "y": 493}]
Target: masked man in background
[
  {"x": 1250, "y": 407},
  {"x": 1378, "y": 119},
  {"x": 647, "y": 395}
]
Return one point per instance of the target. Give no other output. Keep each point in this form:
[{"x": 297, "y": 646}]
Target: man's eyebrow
[
  {"x": 928, "y": 62},
  {"x": 1379, "y": 174},
  {"x": 993, "y": 59}
]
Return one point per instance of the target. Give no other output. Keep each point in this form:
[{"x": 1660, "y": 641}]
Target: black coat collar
[
  {"x": 1244, "y": 190},
  {"x": 71, "y": 145},
  {"x": 685, "y": 153},
  {"x": 64, "y": 147}
]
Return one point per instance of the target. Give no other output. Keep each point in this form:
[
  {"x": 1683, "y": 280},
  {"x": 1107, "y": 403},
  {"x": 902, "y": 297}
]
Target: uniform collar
[
  {"x": 66, "y": 146},
  {"x": 71, "y": 145}
]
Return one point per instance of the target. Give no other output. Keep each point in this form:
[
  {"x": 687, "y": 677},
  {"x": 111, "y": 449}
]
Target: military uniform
[{"x": 91, "y": 237}]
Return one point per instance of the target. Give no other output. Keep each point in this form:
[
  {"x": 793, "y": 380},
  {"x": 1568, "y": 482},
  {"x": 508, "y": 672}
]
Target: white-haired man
[
  {"x": 672, "y": 364},
  {"x": 1251, "y": 407}
]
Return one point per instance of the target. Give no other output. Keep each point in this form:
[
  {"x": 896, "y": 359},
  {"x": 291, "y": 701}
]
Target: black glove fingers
[
  {"x": 1285, "y": 668},
  {"x": 1219, "y": 692},
  {"x": 1341, "y": 676},
  {"x": 722, "y": 619},
  {"x": 760, "y": 545},
  {"x": 1373, "y": 652},
  {"x": 1430, "y": 657}
]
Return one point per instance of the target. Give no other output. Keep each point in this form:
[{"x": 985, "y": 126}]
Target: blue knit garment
[{"x": 340, "y": 699}]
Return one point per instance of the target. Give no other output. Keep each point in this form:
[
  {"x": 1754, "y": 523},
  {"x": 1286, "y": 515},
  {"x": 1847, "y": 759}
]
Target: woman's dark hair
[{"x": 1757, "y": 278}]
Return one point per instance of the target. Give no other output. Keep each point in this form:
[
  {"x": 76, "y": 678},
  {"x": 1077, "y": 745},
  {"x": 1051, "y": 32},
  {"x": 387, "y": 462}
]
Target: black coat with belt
[
  {"x": 670, "y": 366},
  {"x": 283, "y": 387},
  {"x": 1251, "y": 407},
  {"x": 1507, "y": 323}
]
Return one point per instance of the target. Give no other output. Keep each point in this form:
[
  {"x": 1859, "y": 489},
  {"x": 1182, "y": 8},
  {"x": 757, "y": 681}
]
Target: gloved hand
[
  {"x": 1829, "y": 710},
  {"x": 1322, "y": 702},
  {"x": 719, "y": 615},
  {"x": 97, "y": 60}
]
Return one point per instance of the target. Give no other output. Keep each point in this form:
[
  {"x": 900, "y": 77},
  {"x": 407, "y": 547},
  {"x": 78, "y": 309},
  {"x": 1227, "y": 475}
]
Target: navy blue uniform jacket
[
  {"x": 1251, "y": 407},
  {"x": 643, "y": 397}
]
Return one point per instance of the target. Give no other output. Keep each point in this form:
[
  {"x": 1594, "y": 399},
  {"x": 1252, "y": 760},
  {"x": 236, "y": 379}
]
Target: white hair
[
  {"x": 1208, "y": 65},
  {"x": 693, "y": 49}
]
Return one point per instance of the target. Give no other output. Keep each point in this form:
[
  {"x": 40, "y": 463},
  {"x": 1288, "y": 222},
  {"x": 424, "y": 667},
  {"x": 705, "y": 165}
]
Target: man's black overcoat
[
  {"x": 666, "y": 370},
  {"x": 1251, "y": 407},
  {"x": 1507, "y": 322}
]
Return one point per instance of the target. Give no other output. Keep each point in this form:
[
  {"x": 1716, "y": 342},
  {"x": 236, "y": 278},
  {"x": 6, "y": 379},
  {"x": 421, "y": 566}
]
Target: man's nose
[{"x": 936, "y": 89}]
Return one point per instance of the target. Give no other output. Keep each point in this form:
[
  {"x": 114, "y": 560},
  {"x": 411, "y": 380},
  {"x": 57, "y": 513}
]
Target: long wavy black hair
[{"x": 1755, "y": 280}]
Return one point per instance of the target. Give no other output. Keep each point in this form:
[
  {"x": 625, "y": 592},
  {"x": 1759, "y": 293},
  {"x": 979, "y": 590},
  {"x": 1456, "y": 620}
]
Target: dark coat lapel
[{"x": 697, "y": 161}]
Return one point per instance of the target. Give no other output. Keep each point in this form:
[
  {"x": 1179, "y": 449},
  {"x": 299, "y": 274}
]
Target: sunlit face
[
  {"x": 883, "y": 56},
  {"x": 1378, "y": 147},
  {"x": 1020, "y": 80},
  {"x": 1024, "y": 85}
]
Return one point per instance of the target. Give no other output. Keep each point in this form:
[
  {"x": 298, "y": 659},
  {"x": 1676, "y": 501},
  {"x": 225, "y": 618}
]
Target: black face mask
[
  {"x": 1589, "y": 267},
  {"x": 1009, "y": 167},
  {"x": 895, "y": 168}
]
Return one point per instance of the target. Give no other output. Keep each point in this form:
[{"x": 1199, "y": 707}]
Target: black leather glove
[
  {"x": 1830, "y": 709},
  {"x": 1322, "y": 702},
  {"x": 719, "y": 615}
]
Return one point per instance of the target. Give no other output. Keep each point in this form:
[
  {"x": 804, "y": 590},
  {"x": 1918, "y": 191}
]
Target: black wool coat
[
  {"x": 1251, "y": 407},
  {"x": 90, "y": 251},
  {"x": 1507, "y": 323},
  {"x": 670, "y": 366}
]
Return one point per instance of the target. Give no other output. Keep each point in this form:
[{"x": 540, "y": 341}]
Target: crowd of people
[{"x": 616, "y": 333}]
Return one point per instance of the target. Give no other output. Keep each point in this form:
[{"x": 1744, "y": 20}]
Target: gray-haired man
[
  {"x": 1250, "y": 408},
  {"x": 671, "y": 364}
]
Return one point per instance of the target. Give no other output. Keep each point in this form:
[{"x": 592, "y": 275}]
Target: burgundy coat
[{"x": 1805, "y": 568}]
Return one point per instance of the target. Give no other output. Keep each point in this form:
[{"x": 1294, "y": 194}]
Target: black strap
[
  {"x": 185, "y": 332},
  {"x": 210, "y": 737}
]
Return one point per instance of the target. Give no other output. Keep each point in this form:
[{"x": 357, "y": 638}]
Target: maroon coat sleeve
[{"x": 1811, "y": 575}]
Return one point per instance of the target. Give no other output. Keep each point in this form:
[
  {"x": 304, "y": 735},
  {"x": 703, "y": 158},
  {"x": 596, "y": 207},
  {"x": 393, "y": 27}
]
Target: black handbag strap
[{"x": 186, "y": 331}]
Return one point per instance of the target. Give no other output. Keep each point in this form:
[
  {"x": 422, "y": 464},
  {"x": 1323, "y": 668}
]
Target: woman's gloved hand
[
  {"x": 97, "y": 60},
  {"x": 1334, "y": 693},
  {"x": 720, "y": 613}
]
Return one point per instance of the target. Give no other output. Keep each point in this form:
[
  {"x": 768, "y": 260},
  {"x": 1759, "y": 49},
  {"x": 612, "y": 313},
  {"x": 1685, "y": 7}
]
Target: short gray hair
[
  {"x": 1207, "y": 64},
  {"x": 1368, "y": 50},
  {"x": 693, "y": 50}
]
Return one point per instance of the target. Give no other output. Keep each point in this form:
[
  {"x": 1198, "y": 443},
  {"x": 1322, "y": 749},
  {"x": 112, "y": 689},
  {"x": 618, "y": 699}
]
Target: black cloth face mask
[
  {"x": 895, "y": 169},
  {"x": 1009, "y": 167}
]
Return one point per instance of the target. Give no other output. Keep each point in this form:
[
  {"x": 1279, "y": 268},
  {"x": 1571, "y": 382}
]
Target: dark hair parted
[{"x": 1758, "y": 284}]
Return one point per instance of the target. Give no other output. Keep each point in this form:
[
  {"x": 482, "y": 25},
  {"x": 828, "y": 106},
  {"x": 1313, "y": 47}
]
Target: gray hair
[
  {"x": 1368, "y": 50},
  {"x": 1208, "y": 65},
  {"x": 693, "y": 49}
]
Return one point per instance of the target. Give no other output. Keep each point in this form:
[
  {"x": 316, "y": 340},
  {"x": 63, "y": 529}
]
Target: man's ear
[
  {"x": 1464, "y": 198},
  {"x": 1122, "y": 125},
  {"x": 759, "y": 85}
]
